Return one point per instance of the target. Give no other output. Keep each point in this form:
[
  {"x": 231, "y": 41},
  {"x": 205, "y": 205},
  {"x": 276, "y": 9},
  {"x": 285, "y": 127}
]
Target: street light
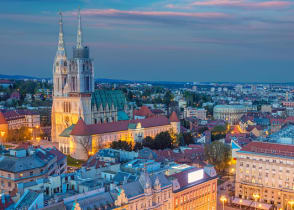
[
  {"x": 291, "y": 202},
  {"x": 223, "y": 199},
  {"x": 256, "y": 196},
  {"x": 240, "y": 201}
]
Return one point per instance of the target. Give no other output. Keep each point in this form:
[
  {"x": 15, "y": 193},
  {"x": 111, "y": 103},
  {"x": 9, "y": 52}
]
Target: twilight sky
[{"x": 175, "y": 40}]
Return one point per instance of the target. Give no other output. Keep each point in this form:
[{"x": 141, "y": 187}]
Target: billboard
[{"x": 195, "y": 176}]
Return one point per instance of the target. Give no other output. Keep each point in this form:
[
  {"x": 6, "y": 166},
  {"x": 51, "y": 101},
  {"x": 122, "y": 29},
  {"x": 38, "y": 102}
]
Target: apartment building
[
  {"x": 266, "y": 170},
  {"x": 26, "y": 165}
]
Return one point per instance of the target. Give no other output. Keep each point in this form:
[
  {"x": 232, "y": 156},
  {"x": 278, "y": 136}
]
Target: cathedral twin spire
[
  {"x": 79, "y": 34},
  {"x": 61, "y": 47}
]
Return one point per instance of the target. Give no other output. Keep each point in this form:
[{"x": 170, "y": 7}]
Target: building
[
  {"x": 266, "y": 108},
  {"x": 148, "y": 192},
  {"x": 195, "y": 189},
  {"x": 5, "y": 83},
  {"x": 288, "y": 103},
  {"x": 21, "y": 166},
  {"x": 18, "y": 118},
  {"x": 73, "y": 90},
  {"x": 230, "y": 113},
  {"x": 31, "y": 200},
  {"x": 266, "y": 170},
  {"x": 199, "y": 113},
  {"x": 82, "y": 138}
]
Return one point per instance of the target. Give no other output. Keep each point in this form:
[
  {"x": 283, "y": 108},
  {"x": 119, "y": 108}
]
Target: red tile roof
[
  {"x": 17, "y": 114},
  {"x": 80, "y": 129},
  {"x": 2, "y": 119},
  {"x": 269, "y": 148},
  {"x": 174, "y": 117},
  {"x": 143, "y": 111},
  {"x": 289, "y": 119}
]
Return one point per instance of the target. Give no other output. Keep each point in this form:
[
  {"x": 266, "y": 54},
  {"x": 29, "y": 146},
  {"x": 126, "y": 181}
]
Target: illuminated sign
[{"x": 195, "y": 176}]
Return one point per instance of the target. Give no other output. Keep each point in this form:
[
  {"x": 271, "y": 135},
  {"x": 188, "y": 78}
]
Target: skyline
[{"x": 248, "y": 41}]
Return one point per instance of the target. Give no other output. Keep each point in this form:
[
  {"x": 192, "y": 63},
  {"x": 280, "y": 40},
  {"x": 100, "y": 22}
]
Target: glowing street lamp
[
  {"x": 2, "y": 133},
  {"x": 240, "y": 202},
  {"x": 256, "y": 196},
  {"x": 223, "y": 199}
]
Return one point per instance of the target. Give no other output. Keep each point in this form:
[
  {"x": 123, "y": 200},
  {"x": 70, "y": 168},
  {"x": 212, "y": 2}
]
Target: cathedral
[
  {"x": 85, "y": 119},
  {"x": 74, "y": 94}
]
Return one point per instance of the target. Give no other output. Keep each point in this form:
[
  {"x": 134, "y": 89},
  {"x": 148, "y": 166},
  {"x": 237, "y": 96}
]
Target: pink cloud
[
  {"x": 244, "y": 3},
  {"x": 153, "y": 13}
]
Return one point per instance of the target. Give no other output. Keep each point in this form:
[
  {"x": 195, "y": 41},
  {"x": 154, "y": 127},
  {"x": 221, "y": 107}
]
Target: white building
[{"x": 199, "y": 113}]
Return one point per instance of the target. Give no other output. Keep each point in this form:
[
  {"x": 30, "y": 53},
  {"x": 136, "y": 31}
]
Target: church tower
[
  {"x": 73, "y": 88},
  {"x": 60, "y": 64}
]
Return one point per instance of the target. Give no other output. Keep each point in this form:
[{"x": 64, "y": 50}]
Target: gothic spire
[
  {"x": 79, "y": 34},
  {"x": 61, "y": 48}
]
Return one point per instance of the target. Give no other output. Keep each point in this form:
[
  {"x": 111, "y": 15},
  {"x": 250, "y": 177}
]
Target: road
[{"x": 224, "y": 192}]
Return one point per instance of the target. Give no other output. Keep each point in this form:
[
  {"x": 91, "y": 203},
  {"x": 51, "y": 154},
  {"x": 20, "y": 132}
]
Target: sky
[{"x": 166, "y": 40}]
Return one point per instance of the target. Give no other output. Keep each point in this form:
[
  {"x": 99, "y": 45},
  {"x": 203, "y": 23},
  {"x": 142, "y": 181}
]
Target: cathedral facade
[{"x": 74, "y": 96}]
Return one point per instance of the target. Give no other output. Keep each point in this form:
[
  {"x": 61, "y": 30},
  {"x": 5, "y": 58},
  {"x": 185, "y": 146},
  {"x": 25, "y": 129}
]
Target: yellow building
[
  {"x": 94, "y": 136},
  {"x": 264, "y": 172},
  {"x": 195, "y": 189}
]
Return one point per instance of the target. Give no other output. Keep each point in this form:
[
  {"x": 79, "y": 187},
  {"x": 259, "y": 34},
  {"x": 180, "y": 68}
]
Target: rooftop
[
  {"x": 269, "y": 149},
  {"x": 81, "y": 129}
]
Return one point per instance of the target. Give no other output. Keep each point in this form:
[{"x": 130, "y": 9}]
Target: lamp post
[
  {"x": 223, "y": 199},
  {"x": 240, "y": 202},
  {"x": 291, "y": 202},
  {"x": 256, "y": 196}
]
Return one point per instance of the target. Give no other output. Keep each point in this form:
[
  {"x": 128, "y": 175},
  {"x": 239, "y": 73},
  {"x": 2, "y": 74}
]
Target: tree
[
  {"x": 174, "y": 137},
  {"x": 218, "y": 154},
  {"x": 163, "y": 140},
  {"x": 218, "y": 132},
  {"x": 148, "y": 142},
  {"x": 121, "y": 145},
  {"x": 167, "y": 99},
  {"x": 188, "y": 138},
  {"x": 85, "y": 142},
  {"x": 138, "y": 146},
  {"x": 19, "y": 135}
]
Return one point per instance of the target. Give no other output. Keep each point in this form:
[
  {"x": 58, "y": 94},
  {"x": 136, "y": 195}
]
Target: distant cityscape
[{"x": 76, "y": 142}]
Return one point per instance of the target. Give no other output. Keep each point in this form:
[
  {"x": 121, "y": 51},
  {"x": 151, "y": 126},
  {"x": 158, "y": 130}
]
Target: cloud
[
  {"x": 111, "y": 12},
  {"x": 245, "y": 4}
]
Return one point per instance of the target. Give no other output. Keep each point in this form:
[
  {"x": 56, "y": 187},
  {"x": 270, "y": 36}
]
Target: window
[
  {"x": 31, "y": 173},
  {"x": 66, "y": 107},
  {"x": 87, "y": 83}
]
